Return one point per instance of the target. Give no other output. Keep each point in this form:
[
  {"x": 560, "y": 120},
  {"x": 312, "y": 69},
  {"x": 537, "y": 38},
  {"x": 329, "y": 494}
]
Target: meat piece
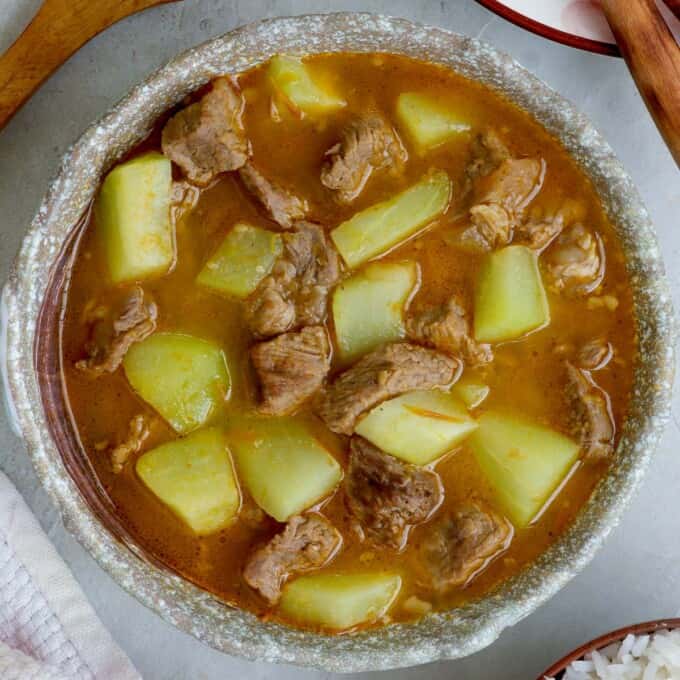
[
  {"x": 270, "y": 310},
  {"x": 281, "y": 205},
  {"x": 461, "y": 544},
  {"x": 296, "y": 291},
  {"x": 501, "y": 199},
  {"x": 491, "y": 226},
  {"x": 207, "y": 138},
  {"x": 291, "y": 367},
  {"x": 308, "y": 542},
  {"x": 138, "y": 431},
  {"x": 487, "y": 153},
  {"x": 366, "y": 144},
  {"x": 137, "y": 321},
  {"x": 575, "y": 261},
  {"x": 589, "y": 413},
  {"x": 317, "y": 266},
  {"x": 594, "y": 355},
  {"x": 512, "y": 185},
  {"x": 388, "y": 496},
  {"x": 386, "y": 372},
  {"x": 591, "y": 356},
  {"x": 539, "y": 232},
  {"x": 447, "y": 328}
]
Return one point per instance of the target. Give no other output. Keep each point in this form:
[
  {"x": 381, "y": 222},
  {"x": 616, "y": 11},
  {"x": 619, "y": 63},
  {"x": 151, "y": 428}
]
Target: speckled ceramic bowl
[{"x": 32, "y": 296}]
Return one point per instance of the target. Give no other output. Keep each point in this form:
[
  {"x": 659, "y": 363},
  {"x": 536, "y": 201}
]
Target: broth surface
[{"x": 525, "y": 376}]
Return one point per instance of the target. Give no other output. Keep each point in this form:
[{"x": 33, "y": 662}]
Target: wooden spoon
[
  {"x": 653, "y": 57},
  {"x": 59, "y": 29}
]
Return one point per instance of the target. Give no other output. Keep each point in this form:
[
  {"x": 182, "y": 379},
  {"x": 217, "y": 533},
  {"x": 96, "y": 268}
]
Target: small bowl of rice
[{"x": 646, "y": 651}]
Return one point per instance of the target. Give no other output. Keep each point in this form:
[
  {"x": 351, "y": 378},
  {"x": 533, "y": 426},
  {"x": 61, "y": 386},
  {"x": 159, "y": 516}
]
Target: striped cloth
[{"x": 48, "y": 630}]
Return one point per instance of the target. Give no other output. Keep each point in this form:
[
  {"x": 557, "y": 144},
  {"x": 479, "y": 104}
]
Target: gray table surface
[{"x": 635, "y": 577}]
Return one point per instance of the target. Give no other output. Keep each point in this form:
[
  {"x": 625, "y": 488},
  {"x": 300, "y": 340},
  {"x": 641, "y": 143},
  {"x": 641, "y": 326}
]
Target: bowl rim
[
  {"x": 449, "y": 634},
  {"x": 645, "y": 628}
]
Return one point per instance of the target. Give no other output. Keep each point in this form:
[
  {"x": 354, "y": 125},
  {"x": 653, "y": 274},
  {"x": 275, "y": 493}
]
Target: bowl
[
  {"x": 607, "y": 639},
  {"x": 33, "y": 295},
  {"x": 577, "y": 23}
]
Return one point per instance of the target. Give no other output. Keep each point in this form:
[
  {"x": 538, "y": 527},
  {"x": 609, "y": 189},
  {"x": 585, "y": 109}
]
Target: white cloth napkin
[{"x": 48, "y": 630}]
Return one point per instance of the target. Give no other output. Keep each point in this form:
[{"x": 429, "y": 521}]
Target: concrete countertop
[{"x": 635, "y": 577}]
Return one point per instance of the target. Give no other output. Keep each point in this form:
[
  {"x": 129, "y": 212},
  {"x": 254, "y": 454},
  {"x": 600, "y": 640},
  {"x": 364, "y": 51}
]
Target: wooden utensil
[
  {"x": 59, "y": 29},
  {"x": 653, "y": 57}
]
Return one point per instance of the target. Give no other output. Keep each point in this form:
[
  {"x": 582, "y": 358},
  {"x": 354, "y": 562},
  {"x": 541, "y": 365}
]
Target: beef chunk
[
  {"x": 307, "y": 543},
  {"x": 318, "y": 268},
  {"x": 281, "y": 205},
  {"x": 512, "y": 185},
  {"x": 491, "y": 226},
  {"x": 537, "y": 234},
  {"x": 542, "y": 229},
  {"x": 594, "y": 354},
  {"x": 137, "y": 321},
  {"x": 575, "y": 264},
  {"x": 487, "y": 153},
  {"x": 386, "y": 495},
  {"x": 207, "y": 138},
  {"x": 462, "y": 543},
  {"x": 138, "y": 431},
  {"x": 291, "y": 367},
  {"x": 270, "y": 310},
  {"x": 366, "y": 144},
  {"x": 501, "y": 198},
  {"x": 591, "y": 420},
  {"x": 447, "y": 328},
  {"x": 386, "y": 372},
  {"x": 295, "y": 292}
]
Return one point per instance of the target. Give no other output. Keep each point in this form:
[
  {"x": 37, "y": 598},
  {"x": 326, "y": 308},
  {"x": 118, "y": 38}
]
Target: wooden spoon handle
[
  {"x": 58, "y": 30},
  {"x": 653, "y": 58}
]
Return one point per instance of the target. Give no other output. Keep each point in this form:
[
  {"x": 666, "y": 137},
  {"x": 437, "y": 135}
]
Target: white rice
[{"x": 637, "y": 657}]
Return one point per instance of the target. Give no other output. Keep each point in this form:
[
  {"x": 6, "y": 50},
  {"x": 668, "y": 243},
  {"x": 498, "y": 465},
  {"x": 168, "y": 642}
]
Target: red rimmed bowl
[
  {"x": 647, "y": 628},
  {"x": 577, "y": 23}
]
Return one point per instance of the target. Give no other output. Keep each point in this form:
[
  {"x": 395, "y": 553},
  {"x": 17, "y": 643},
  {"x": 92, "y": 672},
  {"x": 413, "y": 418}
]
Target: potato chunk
[
  {"x": 368, "y": 308},
  {"x": 510, "y": 299},
  {"x": 184, "y": 378},
  {"x": 285, "y": 468},
  {"x": 194, "y": 477},
  {"x": 375, "y": 230},
  {"x": 244, "y": 258},
  {"x": 291, "y": 78},
  {"x": 524, "y": 462},
  {"x": 470, "y": 391},
  {"x": 133, "y": 217},
  {"x": 427, "y": 121},
  {"x": 339, "y": 601},
  {"x": 417, "y": 426}
]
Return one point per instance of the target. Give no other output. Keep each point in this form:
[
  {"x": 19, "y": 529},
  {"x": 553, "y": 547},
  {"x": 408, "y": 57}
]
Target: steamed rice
[{"x": 637, "y": 657}]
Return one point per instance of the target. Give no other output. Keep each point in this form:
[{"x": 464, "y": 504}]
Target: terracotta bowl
[
  {"x": 32, "y": 304},
  {"x": 605, "y": 640}
]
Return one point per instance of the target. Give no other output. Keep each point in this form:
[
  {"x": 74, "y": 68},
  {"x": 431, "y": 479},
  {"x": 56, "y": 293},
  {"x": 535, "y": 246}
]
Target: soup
[{"x": 348, "y": 339}]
